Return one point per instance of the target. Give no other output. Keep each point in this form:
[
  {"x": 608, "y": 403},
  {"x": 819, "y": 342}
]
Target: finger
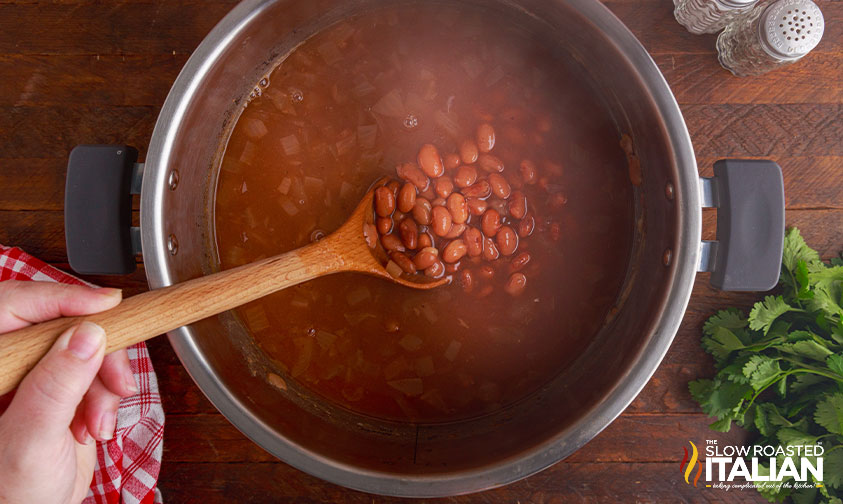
[
  {"x": 47, "y": 398},
  {"x": 78, "y": 428},
  {"x": 116, "y": 374},
  {"x": 22, "y": 303},
  {"x": 5, "y": 400},
  {"x": 100, "y": 411}
]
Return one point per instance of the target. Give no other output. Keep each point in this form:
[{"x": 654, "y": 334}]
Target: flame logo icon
[{"x": 690, "y": 467}]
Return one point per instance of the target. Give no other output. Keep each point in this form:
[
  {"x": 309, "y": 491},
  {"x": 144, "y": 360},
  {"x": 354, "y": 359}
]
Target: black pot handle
[
  {"x": 98, "y": 209},
  {"x": 749, "y": 197}
]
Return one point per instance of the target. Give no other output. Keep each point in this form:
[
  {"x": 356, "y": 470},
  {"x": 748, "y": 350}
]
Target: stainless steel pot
[{"x": 178, "y": 181}]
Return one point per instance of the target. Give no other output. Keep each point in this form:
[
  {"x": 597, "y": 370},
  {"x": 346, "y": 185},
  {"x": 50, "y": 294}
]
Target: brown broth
[{"x": 344, "y": 109}]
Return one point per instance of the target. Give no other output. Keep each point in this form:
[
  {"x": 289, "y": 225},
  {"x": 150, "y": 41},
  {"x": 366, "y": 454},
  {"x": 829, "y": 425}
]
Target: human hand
[{"x": 49, "y": 424}]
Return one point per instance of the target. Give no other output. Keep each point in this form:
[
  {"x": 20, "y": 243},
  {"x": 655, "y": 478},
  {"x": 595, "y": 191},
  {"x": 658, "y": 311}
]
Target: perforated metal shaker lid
[{"x": 790, "y": 29}]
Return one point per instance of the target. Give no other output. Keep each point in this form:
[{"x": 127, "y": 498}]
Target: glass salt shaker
[
  {"x": 709, "y": 16},
  {"x": 773, "y": 34}
]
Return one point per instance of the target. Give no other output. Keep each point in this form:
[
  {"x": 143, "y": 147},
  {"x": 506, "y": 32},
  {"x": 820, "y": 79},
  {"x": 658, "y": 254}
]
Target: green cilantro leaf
[
  {"x": 763, "y": 314},
  {"x": 835, "y": 363},
  {"x": 761, "y": 371},
  {"x": 830, "y": 413},
  {"x": 833, "y": 470},
  {"x": 795, "y": 250},
  {"x": 807, "y": 348}
]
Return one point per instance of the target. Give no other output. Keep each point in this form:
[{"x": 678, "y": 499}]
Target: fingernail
[
  {"x": 108, "y": 291},
  {"x": 131, "y": 386},
  {"x": 88, "y": 439},
  {"x": 107, "y": 425},
  {"x": 86, "y": 340}
]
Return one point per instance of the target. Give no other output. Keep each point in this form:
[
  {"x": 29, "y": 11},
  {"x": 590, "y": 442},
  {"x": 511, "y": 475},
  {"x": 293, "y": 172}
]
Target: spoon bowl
[{"x": 158, "y": 311}]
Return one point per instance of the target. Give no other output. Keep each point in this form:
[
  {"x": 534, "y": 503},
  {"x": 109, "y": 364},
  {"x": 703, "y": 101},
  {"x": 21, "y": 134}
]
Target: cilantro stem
[{"x": 785, "y": 375}]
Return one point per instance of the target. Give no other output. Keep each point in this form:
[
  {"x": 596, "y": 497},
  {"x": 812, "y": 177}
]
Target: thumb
[{"x": 46, "y": 400}]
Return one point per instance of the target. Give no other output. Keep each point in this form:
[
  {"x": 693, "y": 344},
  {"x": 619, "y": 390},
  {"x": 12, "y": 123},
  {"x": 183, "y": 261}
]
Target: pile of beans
[{"x": 458, "y": 214}]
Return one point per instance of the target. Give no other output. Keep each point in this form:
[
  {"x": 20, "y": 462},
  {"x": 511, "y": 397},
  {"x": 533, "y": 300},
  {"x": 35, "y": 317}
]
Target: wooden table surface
[{"x": 98, "y": 71}]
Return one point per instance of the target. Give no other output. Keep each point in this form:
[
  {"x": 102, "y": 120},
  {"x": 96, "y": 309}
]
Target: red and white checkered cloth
[{"x": 127, "y": 465}]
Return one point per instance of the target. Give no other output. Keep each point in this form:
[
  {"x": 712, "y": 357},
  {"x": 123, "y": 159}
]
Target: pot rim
[{"x": 564, "y": 443}]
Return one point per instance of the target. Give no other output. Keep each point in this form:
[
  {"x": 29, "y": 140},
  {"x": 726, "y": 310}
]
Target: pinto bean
[
  {"x": 422, "y": 211},
  {"x": 441, "y": 221},
  {"x": 476, "y": 206},
  {"x": 384, "y": 225},
  {"x": 485, "y": 137},
  {"x": 528, "y": 172},
  {"x": 384, "y": 201},
  {"x": 490, "y": 223},
  {"x": 466, "y": 175},
  {"x": 406, "y": 197},
  {"x": 430, "y": 161},
  {"x": 516, "y": 284},
  {"x": 411, "y": 173},
  {"x": 557, "y": 200},
  {"x": 409, "y": 231},
  {"x": 439, "y": 202},
  {"x": 457, "y": 229},
  {"x": 499, "y": 205},
  {"x": 392, "y": 243},
  {"x": 490, "y": 250},
  {"x": 490, "y": 163},
  {"x": 404, "y": 262},
  {"x": 468, "y": 152},
  {"x": 451, "y": 268},
  {"x": 518, "y": 205},
  {"x": 454, "y": 251},
  {"x": 426, "y": 257},
  {"x": 519, "y": 261},
  {"x": 479, "y": 189},
  {"x": 500, "y": 187},
  {"x": 526, "y": 225},
  {"x": 457, "y": 206},
  {"x": 443, "y": 187},
  {"x": 486, "y": 271},
  {"x": 507, "y": 240},
  {"x": 425, "y": 239},
  {"x": 466, "y": 280},
  {"x": 435, "y": 270},
  {"x": 451, "y": 160},
  {"x": 473, "y": 239}
]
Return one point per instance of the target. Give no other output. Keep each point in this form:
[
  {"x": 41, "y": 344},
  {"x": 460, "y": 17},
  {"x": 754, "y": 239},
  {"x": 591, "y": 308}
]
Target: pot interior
[{"x": 424, "y": 458}]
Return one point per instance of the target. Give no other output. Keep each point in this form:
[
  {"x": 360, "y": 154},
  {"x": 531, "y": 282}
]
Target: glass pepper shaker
[
  {"x": 773, "y": 34},
  {"x": 709, "y": 16}
]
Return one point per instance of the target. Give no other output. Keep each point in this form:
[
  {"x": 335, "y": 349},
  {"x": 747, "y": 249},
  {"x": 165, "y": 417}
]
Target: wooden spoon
[{"x": 155, "y": 312}]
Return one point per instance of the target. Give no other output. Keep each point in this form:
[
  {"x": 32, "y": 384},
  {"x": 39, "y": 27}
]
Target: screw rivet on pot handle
[
  {"x": 98, "y": 209},
  {"x": 749, "y": 197}
]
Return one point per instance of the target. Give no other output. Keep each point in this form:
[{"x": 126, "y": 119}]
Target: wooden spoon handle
[{"x": 155, "y": 312}]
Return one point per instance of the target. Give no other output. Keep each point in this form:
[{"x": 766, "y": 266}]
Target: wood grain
[
  {"x": 565, "y": 482},
  {"x": 90, "y": 71}
]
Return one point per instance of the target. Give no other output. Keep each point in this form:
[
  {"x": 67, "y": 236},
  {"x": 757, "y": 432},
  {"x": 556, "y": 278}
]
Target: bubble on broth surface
[{"x": 411, "y": 121}]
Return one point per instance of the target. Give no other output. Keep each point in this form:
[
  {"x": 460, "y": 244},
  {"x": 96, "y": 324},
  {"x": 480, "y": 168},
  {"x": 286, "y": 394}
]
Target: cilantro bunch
[{"x": 780, "y": 370}]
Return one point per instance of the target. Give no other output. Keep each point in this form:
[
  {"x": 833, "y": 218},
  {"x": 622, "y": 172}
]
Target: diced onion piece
[
  {"x": 452, "y": 350},
  {"x": 325, "y": 339},
  {"x": 313, "y": 185},
  {"x": 346, "y": 191},
  {"x": 289, "y": 207},
  {"x": 424, "y": 366},
  {"x": 390, "y": 105},
  {"x": 429, "y": 313},
  {"x": 434, "y": 398},
  {"x": 358, "y": 296},
  {"x": 255, "y": 128},
  {"x": 494, "y": 76},
  {"x": 300, "y": 302},
  {"x": 396, "y": 368},
  {"x": 249, "y": 152},
  {"x": 256, "y": 318},
  {"x": 362, "y": 87},
  {"x": 284, "y": 186},
  {"x": 367, "y": 135},
  {"x": 393, "y": 269},
  {"x": 411, "y": 387},
  {"x": 346, "y": 144},
  {"x": 354, "y": 318},
  {"x": 472, "y": 66},
  {"x": 330, "y": 52},
  {"x": 304, "y": 355},
  {"x": 290, "y": 144},
  {"x": 410, "y": 343},
  {"x": 448, "y": 122}
]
